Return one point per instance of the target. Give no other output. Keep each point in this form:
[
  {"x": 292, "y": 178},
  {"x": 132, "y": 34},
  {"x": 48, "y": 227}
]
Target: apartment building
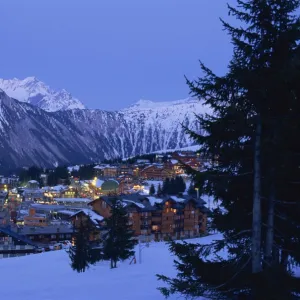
[{"x": 170, "y": 216}]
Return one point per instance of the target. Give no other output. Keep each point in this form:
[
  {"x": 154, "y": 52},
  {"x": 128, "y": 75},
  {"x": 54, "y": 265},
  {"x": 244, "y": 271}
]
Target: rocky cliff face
[{"x": 32, "y": 136}]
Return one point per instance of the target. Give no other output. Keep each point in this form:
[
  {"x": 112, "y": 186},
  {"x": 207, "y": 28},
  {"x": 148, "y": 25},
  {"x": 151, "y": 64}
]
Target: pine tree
[
  {"x": 182, "y": 185},
  {"x": 255, "y": 108},
  {"x": 159, "y": 189},
  {"x": 166, "y": 186},
  {"x": 80, "y": 253},
  {"x": 152, "y": 190},
  {"x": 173, "y": 187},
  {"x": 191, "y": 189},
  {"x": 119, "y": 240}
]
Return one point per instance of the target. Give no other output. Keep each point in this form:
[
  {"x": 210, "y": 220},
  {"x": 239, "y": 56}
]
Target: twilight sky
[{"x": 111, "y": 53}]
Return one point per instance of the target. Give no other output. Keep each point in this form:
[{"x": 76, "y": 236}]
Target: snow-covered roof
[
  {"x": 174, "y": 161},
  {"x": 95, "y": 218},
  {"x": 85, "y": 200},
  {"x": 177, "y": 199},
  {"x": 98, "y": 182},
  {"x": 59, "y": 188},
  {"x": 99, "y": 167},
  {"x": 33, "y": 181},
  {"x": 66, "y": 212},
  {"x": 140, "y": 205},
  {"x": 154, "y": 200}
]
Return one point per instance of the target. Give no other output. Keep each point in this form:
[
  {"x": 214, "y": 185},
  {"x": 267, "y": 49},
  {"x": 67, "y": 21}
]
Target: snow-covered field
[{"x": 48, "y": 276}]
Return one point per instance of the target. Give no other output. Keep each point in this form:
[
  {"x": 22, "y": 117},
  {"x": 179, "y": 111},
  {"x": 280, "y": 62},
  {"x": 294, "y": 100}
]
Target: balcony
[{"x": 145, "y": 218}]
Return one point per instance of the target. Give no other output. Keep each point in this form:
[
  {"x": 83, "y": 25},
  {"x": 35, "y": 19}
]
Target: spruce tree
[
  {"x": 173, "y": 187},
  {"x": 80, "y": 252},
  {"x": 191, "y": 189},
  {"x": 119, "y": 241},
  {"x": 182, "y": 185},
  {"x": 152, "y": 190},
  {"x": 166, "y": 186},
  {"x": 255, "y": 108},
  {"x": 159, "y": 189}
]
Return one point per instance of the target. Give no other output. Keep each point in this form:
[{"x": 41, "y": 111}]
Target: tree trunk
[
  {"x": 284, "y": 259},
  {"x": 256, "y": 218},
  {"x": 270, "y": 223},
  {"x": 115, "y": 264},
  {"x": 111, "y": 264},
  {"x": 276, "y": 255}
]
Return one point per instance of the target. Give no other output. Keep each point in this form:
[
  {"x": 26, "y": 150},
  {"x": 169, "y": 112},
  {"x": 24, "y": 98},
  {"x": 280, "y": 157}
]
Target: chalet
[
  {"x": 110, "y": 172},
  {"x": 32, "y": 194},
  {"x": 12, "y": 244},
  {"x": 89, "y": 218},
  {"x": 46, "y": 235},
  {"x": 8, "y": 182},
  {"x": 35, "y": 219},
  {"x": 33, "y": 184},
  {"x": 28, "y": 239},
  {"x": 170, "y": 216},
  {"x": 186, "y": 158},
  {"x": 157, "y": 172},
  {"x": 125, "y": 169}
]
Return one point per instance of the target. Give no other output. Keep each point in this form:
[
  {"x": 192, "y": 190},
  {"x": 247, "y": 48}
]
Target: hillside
[
  {"x": 32, "y": 136},
  {"x": 48, "y": 276}
]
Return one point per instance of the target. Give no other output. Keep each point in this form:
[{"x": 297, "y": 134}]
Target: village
[{"x": 38, "y": 217}]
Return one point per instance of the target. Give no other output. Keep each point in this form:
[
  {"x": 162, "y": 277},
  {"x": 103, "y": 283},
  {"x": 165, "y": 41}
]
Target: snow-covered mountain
[
  {"x": 32, "y": 136},
  {"x": 33, "y": 91}
]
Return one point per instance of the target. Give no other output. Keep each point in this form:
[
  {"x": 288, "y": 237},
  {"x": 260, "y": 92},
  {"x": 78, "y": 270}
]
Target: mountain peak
[
  {"x": 29, "y": 79},
  {"x": 149, "y": 104},
  {"x": 37, "y": 93}
]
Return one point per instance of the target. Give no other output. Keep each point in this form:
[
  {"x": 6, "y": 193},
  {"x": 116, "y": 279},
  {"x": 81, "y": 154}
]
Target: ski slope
[{"x": 48, "y": 276}]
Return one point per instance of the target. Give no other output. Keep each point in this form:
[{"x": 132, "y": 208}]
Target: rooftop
[{"x": 73, "y": 200}]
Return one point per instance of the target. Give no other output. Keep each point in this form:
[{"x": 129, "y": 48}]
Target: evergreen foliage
[
  {"x": 191, "y": 190},
  {"x": 80, "y": 253},
  {"x": 174, "y": 186},
  {"x": 118, "y": 242},
  {"x": 32, "y": 173},
  {"x": 58, "y": 176},
  {"x": 159, "y": 189},
  {"x": 253, "y": 134},
  {"x": 152, "y": 190},
  {"x": 86, "y": 172}
]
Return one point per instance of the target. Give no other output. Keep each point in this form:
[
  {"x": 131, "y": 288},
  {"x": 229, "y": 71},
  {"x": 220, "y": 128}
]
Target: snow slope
[
  {"x": 48, "y": 276},
  {"x": 35, "y": 92},
  {"x": 32, "y": 136}
]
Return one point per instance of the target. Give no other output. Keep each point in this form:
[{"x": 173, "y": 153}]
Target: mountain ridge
[
  {"x": 33, "y": 91},
  {"x": 30, "y": 135}
]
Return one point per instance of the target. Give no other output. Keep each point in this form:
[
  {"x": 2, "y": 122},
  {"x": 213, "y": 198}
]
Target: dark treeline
[{"x": 253, "y": 132}]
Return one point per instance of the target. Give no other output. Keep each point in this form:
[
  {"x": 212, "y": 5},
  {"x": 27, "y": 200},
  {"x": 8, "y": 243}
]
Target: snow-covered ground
[{"x": 48, "y": 276}]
